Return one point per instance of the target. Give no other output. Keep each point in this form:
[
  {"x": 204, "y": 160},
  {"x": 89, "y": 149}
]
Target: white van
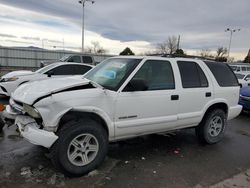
[{"x": 240, "y": 67}]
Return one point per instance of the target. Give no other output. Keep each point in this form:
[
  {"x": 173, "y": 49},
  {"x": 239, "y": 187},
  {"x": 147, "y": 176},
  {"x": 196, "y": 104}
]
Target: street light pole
[
  {"x": 230, "y": 41},
  {"x": 83, "y": 6}
]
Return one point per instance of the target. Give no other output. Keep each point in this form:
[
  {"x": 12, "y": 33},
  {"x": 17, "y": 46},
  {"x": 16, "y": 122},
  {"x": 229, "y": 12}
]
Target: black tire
[
  {"x": 1, "y": 124},
  {"x": 59, "y": 151},
  {"x": 208, "y": 135}
]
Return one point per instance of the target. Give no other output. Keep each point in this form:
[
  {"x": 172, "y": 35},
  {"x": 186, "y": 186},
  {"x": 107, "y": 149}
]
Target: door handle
[
  {"x": 174, "y": 97},
  {"x": 208, "y": 94}
]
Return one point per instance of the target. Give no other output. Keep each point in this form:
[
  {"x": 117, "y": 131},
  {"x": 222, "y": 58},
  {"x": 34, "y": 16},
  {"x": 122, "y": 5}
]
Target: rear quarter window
[{"x": 223, "y": 74}]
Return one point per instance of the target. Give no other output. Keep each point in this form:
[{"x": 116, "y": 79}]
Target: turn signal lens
[{"x": 2, "y": 107}]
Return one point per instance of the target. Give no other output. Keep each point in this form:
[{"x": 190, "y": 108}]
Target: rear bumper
[
  {"x": 29, "y": 129},
  {"x": 234, "y": 111}
]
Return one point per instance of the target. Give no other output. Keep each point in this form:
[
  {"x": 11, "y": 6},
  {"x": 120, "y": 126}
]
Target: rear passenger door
[{"x": 195, "y": 92}]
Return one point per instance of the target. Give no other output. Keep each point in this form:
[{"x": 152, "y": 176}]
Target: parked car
[
  {"x": 124, "y": 97},
  {"x": 245, "y": 98},
  {"x": 87, "y": 59},
  {"x": 240, "y": 67},
  {"x": 10, "y": 81},
  {"x": 243, "y": 78}
]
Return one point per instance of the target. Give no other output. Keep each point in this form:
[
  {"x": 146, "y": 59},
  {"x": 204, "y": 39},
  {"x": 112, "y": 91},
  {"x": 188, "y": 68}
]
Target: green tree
[
  {"x": 179, "y": 52},
  {"x": 127, "y": 51},
  {"x": 247, "y": 59}
]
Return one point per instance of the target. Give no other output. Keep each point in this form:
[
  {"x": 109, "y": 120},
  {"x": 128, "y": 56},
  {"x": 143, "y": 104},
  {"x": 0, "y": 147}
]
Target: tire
[
  {"x": 75, "y": 160},
  {"x": 1, "y": 124},
  {"x": 210, "y": 132}
]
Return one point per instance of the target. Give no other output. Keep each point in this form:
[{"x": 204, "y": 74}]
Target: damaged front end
[{"x": 29, "y": 123}]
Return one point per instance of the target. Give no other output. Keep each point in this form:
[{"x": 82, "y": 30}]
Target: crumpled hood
[
  {"x": 17, "y": 73},
  {"x": 245, "y": 91},
  {"x": 29, "y": 92}
]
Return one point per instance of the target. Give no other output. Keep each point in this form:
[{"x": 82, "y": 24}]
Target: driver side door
[{"x": 149, "y": 111}]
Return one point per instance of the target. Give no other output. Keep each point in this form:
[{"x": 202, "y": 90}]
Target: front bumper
[{"x": 29, "y": 129}]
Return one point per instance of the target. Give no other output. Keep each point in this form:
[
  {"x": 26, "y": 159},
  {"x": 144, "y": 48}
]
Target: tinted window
[
  {"x": 222, "y": 73},
  {"x": 157, "y": 74},
  {"x": 76, "y": 59},
  {"x": 87, "y": 59},
  {"x": 70, "y": 70},
  {"x": 191, "y": 75},
  {"x": 248, "y": 68},
  {"x": 80, "y": 69}
]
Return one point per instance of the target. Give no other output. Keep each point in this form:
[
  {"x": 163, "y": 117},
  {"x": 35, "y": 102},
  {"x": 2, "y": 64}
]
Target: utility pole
[
  {"x": 178, "y": 43},
  {"x": 83, "y": 6},
  {"x": 230, "y": 41}
]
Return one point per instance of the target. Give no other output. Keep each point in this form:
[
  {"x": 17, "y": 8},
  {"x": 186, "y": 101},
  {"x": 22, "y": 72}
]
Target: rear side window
[
  {"x": 87, "y": 59},
  {"x": 223, "y": 74},
  {"x": 192, "y": 75}
]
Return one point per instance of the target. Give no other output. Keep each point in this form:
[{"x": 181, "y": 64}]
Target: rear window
[{"x": 222, "y": 73}]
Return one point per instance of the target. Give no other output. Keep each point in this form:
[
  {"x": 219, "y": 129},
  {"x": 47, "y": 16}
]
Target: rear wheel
[
  {"x": 80, "y": 148},
  {"x": 212, "y": 128}
]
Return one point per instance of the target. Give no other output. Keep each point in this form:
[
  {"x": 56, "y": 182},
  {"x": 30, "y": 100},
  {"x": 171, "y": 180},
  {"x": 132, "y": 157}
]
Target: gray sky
[{"x": 139, "y": 24}]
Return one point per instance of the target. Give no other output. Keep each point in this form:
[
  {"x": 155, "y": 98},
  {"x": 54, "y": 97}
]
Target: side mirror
[
  {"x": 50, "y": 73},
  {"x": 136, "y": 85},
  {"x": 247, "y": 79}
]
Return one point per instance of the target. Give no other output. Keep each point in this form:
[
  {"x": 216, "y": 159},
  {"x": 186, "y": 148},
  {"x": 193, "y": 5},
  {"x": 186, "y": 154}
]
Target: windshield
[
  {"x": 240, "y": 76},
  {"x": 113, "y": 72},
  {"x": 64, "y": 58},
  {"x": 46, "y": 68}
]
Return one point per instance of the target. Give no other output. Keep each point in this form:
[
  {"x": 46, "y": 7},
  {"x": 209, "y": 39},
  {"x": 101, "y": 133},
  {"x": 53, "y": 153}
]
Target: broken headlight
[
  {"x": 31, "y": 111},
  {"x": 9, "y": 79}
]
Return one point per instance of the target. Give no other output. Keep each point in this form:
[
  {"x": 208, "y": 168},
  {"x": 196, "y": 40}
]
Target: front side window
[
  {"x": 112, "y": 72},
  {"x": 75, "y": 58},
  {"x": 192, "y": 75},
  {"x": 157, "y": 74}
]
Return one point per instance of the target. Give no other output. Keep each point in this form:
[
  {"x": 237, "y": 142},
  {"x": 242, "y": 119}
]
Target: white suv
[{"x": 124, "y": 97}]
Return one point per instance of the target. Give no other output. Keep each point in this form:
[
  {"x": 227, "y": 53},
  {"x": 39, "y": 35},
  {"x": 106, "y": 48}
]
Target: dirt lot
[{"x": 172, "y": 160}]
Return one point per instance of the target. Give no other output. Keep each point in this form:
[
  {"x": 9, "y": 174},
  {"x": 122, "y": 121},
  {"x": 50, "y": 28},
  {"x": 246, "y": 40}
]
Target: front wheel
[
  {"x": 1, "y": 124},
  {"x": 212, "y": 128},
  {"x": 80, "y": 148}
]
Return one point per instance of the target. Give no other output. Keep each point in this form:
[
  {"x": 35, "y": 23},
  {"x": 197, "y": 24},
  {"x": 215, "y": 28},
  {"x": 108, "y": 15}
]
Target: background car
[
  {"x": 245, "y": 98},
  {"x": 244, "y": 79},
  {"x": 87, "y": 59},
  {"x": 10, "y": 81}
]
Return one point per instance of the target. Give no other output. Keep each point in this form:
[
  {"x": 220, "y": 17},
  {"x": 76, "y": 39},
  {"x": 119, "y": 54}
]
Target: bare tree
[
  {"x": 168, "y": 46},
  {"x": 221, "y": 52},
  {"x": 206, "y": 53},
  {"x": 96, "y": 48}
]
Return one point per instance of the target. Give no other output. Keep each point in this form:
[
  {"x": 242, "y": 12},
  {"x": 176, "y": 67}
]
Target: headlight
[
  {"x": 9, "y": 79},
  {"x": 31, "y": 111}
]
